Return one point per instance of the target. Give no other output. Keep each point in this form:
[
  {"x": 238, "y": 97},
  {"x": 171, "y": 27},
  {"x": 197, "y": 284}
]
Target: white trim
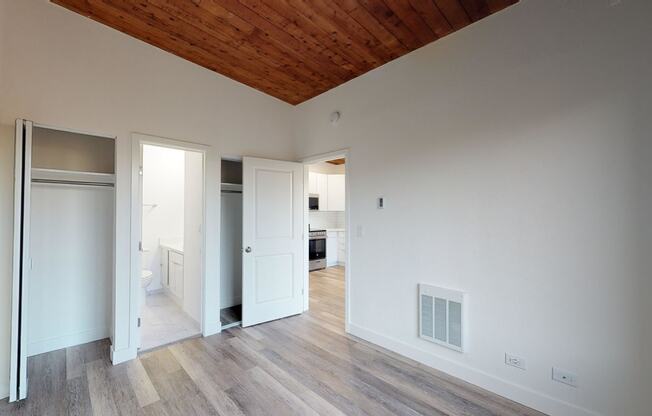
[
  {"x": 67, "y": 340},
  {"x": 15, "y": 295},
  {"x": 207, "y": 326},
  {"x": 310, "y": 160},
  {"x": 121, "y": 355},
  {"x": 26, "y": 259},
  {"x": 515, "y": 392}
]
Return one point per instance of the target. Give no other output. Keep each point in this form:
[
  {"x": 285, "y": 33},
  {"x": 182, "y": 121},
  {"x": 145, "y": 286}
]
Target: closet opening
[
  {"x": 171, "y": 280},
  {"x": 63, "y": 244},
  {"x": 231, "y": 244}
]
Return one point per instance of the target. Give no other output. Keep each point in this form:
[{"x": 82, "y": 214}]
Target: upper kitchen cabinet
[
  {"x": 329, "y": 188},
  {"x": 322, "y": 191},
  {"x": 336, "y": 193}
]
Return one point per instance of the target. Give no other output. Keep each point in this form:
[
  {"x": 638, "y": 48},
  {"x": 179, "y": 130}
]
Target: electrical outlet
[
  {"x": 514, "y": 361},
  {"x": 563, "y": 376}
]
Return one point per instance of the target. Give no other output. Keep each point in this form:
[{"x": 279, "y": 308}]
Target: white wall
[
  {"x": 513, "y": 158},
  {"x": 193, "y": 217},
  {"x": 71, "y": 247},
  {"x": 231, "y": 247},
  {"x": 326, "y": 219},
  {"x": 163, "y": 185},
  {"x": 61, "y": 69}
]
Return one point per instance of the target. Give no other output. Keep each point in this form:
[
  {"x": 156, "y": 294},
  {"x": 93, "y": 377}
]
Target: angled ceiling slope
[{"x": 291, "y": 49}]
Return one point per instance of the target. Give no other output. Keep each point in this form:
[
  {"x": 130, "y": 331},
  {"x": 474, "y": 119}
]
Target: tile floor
[{"x": 163, "y": 322}]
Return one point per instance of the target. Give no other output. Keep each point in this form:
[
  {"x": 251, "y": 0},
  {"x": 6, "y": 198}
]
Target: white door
[
  {"x": 272, "y": 229},
  {"x": 21, "y": 263}
]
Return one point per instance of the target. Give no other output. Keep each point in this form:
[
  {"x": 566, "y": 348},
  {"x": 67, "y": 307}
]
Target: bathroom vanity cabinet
[{"x": 172, "y": 271}]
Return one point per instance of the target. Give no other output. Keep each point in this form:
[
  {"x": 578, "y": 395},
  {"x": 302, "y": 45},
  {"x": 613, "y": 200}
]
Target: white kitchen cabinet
[
  {"x": 335, "y": 194},
  {"x": 322, "y": 191},
  {"x": 330, "y": 189},
  {"x": 341, "y": 248},
  {"x": 175, "y": 274},
  {"x": 331, "y": 248},
  {"x": 312, "y": 183}
]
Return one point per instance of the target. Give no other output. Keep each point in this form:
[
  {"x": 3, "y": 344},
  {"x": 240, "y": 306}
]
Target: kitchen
[{"x": 327, "y": 220}]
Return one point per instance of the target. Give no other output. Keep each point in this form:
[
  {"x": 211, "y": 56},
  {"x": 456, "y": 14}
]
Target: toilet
[{"x": 145, "y": 280}]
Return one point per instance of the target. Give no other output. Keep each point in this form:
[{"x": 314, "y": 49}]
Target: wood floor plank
[
  {"x": 302, "y": 365},
  {"x": 78, "y": 401},
  {"x": 99, "y": 389},
  {"x": 142, "y": 385}
]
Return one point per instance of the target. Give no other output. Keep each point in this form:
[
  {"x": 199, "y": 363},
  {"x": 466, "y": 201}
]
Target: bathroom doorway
[{"x": 172, "y": 197}]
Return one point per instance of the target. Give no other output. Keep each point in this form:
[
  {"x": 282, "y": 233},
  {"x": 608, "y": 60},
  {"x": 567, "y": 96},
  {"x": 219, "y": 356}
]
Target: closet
[
  {"x": 231, "y": 244},
  {"x": 63, "y": 248}
]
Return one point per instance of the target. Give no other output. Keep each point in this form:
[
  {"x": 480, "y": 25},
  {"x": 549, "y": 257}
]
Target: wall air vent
[{"x": 441, "y": 316}]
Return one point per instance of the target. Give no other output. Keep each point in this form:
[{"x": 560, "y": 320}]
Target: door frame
[
  {"x": 310, "y": 160},
  {"x": 208, "y": 290}
]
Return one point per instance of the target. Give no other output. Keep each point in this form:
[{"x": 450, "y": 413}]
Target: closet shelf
[{"x": 54, "y": 175}]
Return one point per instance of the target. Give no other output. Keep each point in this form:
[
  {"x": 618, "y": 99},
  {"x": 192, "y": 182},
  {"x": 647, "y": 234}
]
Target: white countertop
[{"x": 173, "y": 245}]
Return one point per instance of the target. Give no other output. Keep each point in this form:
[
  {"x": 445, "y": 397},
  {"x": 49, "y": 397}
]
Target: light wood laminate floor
[{"x": 303, "y": 365}]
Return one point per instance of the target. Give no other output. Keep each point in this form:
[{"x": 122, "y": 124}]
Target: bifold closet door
[
  {"x": 272, "y": 217},
  {"x": 20, "y": 261}
]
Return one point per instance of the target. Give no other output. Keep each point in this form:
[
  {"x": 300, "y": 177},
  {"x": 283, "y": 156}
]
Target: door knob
[{"x": 248, "y": 250}]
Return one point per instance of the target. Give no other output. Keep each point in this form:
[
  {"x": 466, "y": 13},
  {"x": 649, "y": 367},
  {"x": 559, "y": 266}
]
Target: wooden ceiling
[
  {"x": 337, "y": 161},
  {"x": 290, "y": 49}
]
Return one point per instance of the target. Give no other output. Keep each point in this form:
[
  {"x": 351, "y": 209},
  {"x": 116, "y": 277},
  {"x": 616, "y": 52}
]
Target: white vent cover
[{"x": 441, "y": 316}]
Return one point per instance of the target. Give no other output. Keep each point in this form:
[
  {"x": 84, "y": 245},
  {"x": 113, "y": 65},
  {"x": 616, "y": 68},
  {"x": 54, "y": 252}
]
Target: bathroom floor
[{"x": 163, "y": 322}]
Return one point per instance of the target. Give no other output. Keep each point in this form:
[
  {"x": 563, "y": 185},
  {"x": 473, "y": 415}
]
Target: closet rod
[
  {"x": 228, "y": 191},
  {"x": 64, "y": 182}
]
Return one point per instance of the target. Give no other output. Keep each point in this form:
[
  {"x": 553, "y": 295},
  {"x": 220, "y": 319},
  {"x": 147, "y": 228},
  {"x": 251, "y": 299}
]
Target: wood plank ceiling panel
[{"x": 291, "y": 49}]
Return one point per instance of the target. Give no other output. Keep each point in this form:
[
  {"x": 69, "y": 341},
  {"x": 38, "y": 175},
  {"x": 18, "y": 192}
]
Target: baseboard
[
  {"x": 122, "y": 355},
  {"x": 65, "y": 341},
  {"x": 520, "y": 394},
  {"x": 4, "y": 390},
  {"x": 211, "y": 328}
]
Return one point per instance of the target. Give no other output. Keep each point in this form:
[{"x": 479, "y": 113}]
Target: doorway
[
  {"x": 171, "y": 244},
  {"x": 326, "y": 219},
  {"x": 231, "y": 243},
  {"x": 261, "y": 236}
]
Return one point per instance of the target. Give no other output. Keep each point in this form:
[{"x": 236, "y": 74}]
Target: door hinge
[
  {"x": 140, "y": 246},
  {"x": 138, "y": 322}
]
